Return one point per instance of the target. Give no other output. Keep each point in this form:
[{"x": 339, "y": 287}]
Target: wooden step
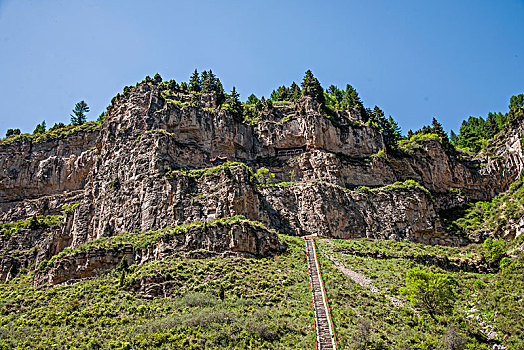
[{"x": 325, "y": 333}]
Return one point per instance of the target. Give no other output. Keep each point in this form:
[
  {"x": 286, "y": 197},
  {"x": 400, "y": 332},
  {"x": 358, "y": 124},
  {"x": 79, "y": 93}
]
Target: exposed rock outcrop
[
  {"x": 233, "y": 237},
  {"x": 117, "y": 172},
  {"x": 37, "y": 176}
]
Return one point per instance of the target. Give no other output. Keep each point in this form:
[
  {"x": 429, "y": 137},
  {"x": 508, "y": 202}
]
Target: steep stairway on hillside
[{"x": 325, "y": 334}]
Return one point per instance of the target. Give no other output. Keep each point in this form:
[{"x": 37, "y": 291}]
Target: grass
[
  {"x": 199, "y": 173},
  {"x": 266, "y": 306},
  {"x": 48, "y": 222},
  {"x": 55, "y": 134},
  {"x": 399, "y": 327}
]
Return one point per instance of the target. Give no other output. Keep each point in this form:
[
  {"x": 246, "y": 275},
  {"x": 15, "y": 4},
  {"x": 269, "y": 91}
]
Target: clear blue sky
[{"x": 415, "y": 59}]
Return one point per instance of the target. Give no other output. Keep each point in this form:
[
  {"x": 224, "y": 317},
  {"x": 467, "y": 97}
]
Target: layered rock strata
[
  {"x": 233, "y": 237},
  {"x": 124, "y": 175}
]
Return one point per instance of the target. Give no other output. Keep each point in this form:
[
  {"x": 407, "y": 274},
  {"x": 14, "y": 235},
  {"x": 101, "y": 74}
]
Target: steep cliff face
[
  {"x": 504, "y": 157},
  {"x": 233, "y": 237},
  {"x": 40, "y": 175},
  {"x": 125, "y": 177}
]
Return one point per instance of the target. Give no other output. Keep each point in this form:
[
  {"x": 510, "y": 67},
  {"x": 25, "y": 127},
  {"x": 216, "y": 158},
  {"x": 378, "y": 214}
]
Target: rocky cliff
[
  {"x": 232, "y": 237},
  {"x": 155, "y": 162}
]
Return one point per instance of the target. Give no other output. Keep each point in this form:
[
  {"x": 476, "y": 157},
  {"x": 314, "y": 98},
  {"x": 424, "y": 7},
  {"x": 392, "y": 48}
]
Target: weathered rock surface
[
  {"x": 118, "y": 173},
  {"x": 28, "y": 247},
  {"x": 234, "y": 238},
  {"x": 34, "y": 170}
]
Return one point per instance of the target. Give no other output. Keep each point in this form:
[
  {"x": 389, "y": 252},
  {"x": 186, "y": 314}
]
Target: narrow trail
[{"x": 325, "y": 334}]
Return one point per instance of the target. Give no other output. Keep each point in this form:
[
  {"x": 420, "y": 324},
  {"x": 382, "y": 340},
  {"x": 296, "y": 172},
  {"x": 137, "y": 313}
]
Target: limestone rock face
[
  {"x": 47, "y": 172},
  {"x": 28, "y": 247},
  {"x": 326, "y": 210},
  {"x": 138, "y": 171},
  {"x": 239, "y": 238},
  {"x": 504, "y": 158}
]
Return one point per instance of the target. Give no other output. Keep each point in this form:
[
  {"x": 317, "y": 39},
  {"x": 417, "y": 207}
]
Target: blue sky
[{"x": 415, "y": 59}]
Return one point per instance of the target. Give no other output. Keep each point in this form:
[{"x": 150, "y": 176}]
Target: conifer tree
[
  {"x": 492, "y": 125},
  {"x": 453, "y": 138},
  {"x": 40, "y": 128},
  {"x": 336, "y": 93},
  {"x": 157, "y": 78},
  {"x": 436, "y": 128},
  {"x": 206, "y": 84},
  {"x": 194, "y": 82},
  {"x": 311, "y": 87},
  {"x": 235, "y": 106},
  {"x": 295, "y": 92},
  {"x": 79, "y": 113},
  {"x": 219, "y": 90},
  {"x": 350, "y": 99},
  {"x": 516, "y": 101},
  {"x": 11, "y": 132},
  {"x": 252, "y": 99}
]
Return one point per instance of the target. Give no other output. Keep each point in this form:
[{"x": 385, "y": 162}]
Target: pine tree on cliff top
[
  {"x": 311, "y": 87},
  {"x": 194, "y": 82},
  {"x": 79, "y": 113}
]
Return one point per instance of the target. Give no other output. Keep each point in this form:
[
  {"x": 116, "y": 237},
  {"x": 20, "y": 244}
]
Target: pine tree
[
  {"x": 350, "y": 99},
  {"x": 184, "y": 87},
  {"x": 336, "y": 93},
  {"x": 516, "y": 101},
  {"x": 157, "y": 78},
  {"x": 472, "y": 134},
  {"x": 206, "y": 84},
  {"x": 11, "y": 132},
  {"x": 252, "y": 99},
  {"x": 436, "y": 128},
  {"x": 40, "y": 128},
  {"x": 453, "y": 138},
  {"x": 219, "y": 90},
  {"x": 235, "y": 106},
  {"x": 492, "y": 125},
  {"x": 172, "y": 85},
  {"x": 311, "y": 87},
  {"x": 194, "y": 82},
  {"x": 79, "y": 113},
  {"x": 295, "y": 92}
]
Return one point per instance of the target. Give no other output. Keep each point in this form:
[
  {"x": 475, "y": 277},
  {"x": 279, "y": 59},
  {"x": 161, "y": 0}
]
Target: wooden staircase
[{"x": 325, "y": 334}]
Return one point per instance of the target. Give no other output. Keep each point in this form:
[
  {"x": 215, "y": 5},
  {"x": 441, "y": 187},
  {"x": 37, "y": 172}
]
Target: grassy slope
[
  {"x": 392, "y": 327},
  {"x": 498, "y": 297},
  {"x": 266, "y": 305}
]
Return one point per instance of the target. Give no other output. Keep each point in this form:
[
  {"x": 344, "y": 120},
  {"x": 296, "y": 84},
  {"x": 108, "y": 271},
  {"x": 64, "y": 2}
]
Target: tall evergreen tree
[
  {"x": 492, "y": 125},
  {"x": 79, "y": 113},
  {"x": 472, "y": 134},
  {"x": 436, "y": 128},
  {"x": 252, "y": 99},
  {"x": 336, "y": 93},
  {"x": 516, "y": 101},
  {"x": 194, "y": 82},
  {"x": 235, "y": 106},
  {"x": 311, "y": 87},
  {"x": 350, "y": 99},
  {"x": 11, "y": 132},
  {"x": 219, "y": 90},
  {"x": 453, "y": 138},
  {"x": 205, "y": 83},
  {"x": 157, "y": 78},
  {"x": 295, "y": 92},
  {"x": 40, "y": 128}
]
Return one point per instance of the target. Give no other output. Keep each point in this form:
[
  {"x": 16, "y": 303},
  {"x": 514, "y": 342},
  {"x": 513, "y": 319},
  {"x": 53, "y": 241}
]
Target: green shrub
[
  {"x": 494, "y": 250},
  {"x": 433, "y": 292}
]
